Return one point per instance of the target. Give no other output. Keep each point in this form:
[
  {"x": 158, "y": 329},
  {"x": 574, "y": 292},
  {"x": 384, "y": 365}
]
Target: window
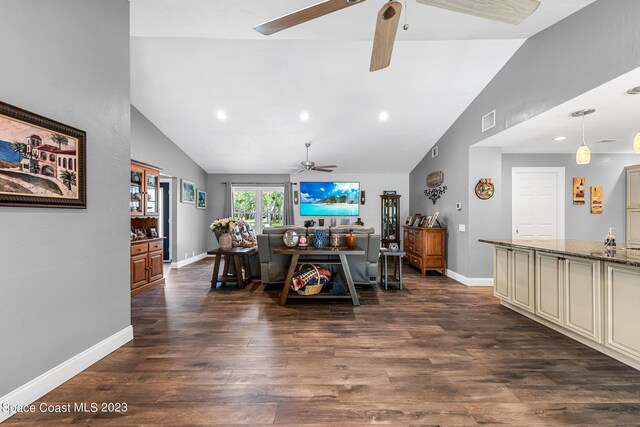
[
  {"x": 59, "y": 162},
  {"x": 264, "y": 203},
  {"x": 64, "y": 163},
  {"x": 52, "y": 158}
]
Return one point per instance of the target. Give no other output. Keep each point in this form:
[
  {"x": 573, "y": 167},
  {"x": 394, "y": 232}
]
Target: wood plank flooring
[{"x": 435, "y": 353}]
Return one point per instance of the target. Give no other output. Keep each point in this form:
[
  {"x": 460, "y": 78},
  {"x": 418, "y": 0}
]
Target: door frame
[
  {"x": 165, "y": 179},
  {"x": 560, "y": 195}
]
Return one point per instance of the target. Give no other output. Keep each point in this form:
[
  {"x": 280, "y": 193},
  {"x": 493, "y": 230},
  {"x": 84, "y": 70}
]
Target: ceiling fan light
[
  {"x": 583, "y": 155},
  {"x": 636, "y": 143}
]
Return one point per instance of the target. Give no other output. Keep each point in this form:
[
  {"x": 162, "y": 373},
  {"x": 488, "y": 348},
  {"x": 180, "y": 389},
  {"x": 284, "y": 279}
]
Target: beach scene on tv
[{"x": 329, "y": 198}]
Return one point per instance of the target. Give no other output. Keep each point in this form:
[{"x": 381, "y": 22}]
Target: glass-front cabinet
[
  {"x": 143, "y": 191},
  {"x": 390, "y": 206}
]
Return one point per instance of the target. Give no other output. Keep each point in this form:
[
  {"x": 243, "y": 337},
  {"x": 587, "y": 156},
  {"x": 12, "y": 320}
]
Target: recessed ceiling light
[
  {"x": 383, "y": 116},
  {"x": 560, "y": 138},
  {"x": 304, "y": 116},
  {"x": 222, "y": 116}
]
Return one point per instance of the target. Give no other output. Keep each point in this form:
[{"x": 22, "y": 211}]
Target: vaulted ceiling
[{"x": 191, "y": 59}]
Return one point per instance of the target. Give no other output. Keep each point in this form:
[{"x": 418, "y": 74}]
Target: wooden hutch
[
  {"x": 425, "y": 248},
  {"x": 146, "y": 245}
]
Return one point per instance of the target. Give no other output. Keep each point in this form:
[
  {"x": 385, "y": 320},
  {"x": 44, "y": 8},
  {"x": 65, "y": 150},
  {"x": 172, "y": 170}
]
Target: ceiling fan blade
[
  {"x": 385, "y": 36},
  {"x": 508, "y": 11},
  {"x": 322, "y": 170},
  {"x": 327, "y": 167},
  {"x": 303, "y": 15}
]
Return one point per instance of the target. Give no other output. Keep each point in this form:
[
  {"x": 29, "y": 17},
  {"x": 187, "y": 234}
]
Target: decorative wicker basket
[{"x": 311, "y": 289}]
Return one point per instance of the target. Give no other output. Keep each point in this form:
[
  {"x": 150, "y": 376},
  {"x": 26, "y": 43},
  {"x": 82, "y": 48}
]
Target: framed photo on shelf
[
  {"x": 187, "y": 191},
  {"x": 426, "y": 220},
  {"x": 42, "y": 162},
  {"x": 434, "y": 218},
  {"x": 416, "y": 220},
  {"x": 201, "y": 199},
  {"x": 152, "y": 232},
  {"x": 408, "y": 220},
  {"x": 141, "y": 234}
]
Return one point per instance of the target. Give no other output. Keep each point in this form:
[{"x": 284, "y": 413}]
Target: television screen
[{"x": 329, "y": 198}]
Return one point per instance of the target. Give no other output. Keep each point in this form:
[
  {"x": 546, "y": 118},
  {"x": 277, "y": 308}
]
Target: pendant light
[
  {"x": 583, "y": 155},
  {"x": 636, "y": 141}
]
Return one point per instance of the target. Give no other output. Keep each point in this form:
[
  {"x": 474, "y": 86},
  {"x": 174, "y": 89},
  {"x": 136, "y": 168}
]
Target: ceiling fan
[
  {"x": 311, "y": 166},
  {"x": 508, "y": 11}
]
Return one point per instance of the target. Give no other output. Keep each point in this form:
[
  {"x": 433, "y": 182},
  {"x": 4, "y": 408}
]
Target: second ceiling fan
[{"x": 508, "y": 11}]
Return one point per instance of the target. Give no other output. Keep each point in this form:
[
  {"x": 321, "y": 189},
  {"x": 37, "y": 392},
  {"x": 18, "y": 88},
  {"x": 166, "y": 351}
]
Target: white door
[{"x": 538, "y": 203}]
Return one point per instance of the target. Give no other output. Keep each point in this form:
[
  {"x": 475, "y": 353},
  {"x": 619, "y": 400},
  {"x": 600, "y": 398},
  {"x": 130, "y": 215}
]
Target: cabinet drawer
[
  {"x": 411, "y": 237},
  {"x": 435, "y": 262},
  {"x": 155, "y": 246},
  {"x": 416, "y": 261},
  {"x": 140, "y": 248}
]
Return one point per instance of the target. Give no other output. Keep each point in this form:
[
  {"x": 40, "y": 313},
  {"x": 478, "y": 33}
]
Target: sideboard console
[
  {"x": 425, "y": 248},
  {"x": 575, "y": 288}
]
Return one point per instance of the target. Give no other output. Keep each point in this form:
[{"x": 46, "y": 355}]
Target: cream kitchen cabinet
[
  {"x": 514, "y": 275},
  {"x": 622, "y": 314},
  {"x": 550, "y": 287},
  {"x": 633, "y": 207},
  {"x": 582, "y": 297}
]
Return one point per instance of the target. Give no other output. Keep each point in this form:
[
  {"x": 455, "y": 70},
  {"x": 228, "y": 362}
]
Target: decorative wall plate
[{"x": 485, "y": 189}]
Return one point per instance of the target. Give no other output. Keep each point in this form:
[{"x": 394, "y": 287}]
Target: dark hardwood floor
[{"x": 436, "y": 353}]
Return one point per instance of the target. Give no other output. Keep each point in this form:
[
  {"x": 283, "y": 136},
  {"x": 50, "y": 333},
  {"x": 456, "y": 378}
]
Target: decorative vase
[
  {"x": 320, "y": 239},
  {"x": 359, "y": 222},
  {"x": 352, "y": 240},
  {"x": 334, "y": 240},
  {"x": 225, "y": 241}
]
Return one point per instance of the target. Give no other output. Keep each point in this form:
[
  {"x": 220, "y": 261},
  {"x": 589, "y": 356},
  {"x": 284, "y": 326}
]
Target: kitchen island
[{"x": 574, "y": 287}]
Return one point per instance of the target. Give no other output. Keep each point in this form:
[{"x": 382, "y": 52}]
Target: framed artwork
[
  {"x": 596, "y": 200},
  {"x": 408, "y": 220},
  {"x": 140, "y": 233},
  {"x": 201, "y": 199},
  {"x": 424, "y": 221},
  {"x": 152, "y": 232},
  {"x": 416, "y": 220},
  {"x": 187, "y": 191},
  {"x": 389, "y": 193},
  {"x": 42, "y": 162},
  {"x": 578, "y": 191},
  {"x": 434, "y": 218}
]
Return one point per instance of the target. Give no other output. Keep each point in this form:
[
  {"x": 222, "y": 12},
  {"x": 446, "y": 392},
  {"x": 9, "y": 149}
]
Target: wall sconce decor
[
  {"x": 295, "y": 197},
  {"x": 434, "y": 194}
]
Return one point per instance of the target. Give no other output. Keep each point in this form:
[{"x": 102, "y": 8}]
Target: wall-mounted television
[{"x": 330, "y": 198}]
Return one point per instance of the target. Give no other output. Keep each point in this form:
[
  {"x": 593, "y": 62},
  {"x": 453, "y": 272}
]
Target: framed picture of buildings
[{"x": 42, "y": 162}]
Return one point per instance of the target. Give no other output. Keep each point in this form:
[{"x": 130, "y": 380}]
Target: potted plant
[{"x": 221, "y": 227}]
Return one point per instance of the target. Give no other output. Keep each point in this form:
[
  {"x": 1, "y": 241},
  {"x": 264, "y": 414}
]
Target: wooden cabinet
[
  {"x": 390, "y": 209},
  {"x": 582, "y": 297},
  {"x": 514, "y": 277},
  {"x": 425, "y": 248},
  {"x": 622, "y": 293},
  {"x": 146, "y": 265},
  {"x": 550, "y": 287},
  {"x": 633, "y": 206},
  {"x": 143, "y": 190},
  {"x": 146, "y": 255}
]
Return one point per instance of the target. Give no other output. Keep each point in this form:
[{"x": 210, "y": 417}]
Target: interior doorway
[
  {"x": 538, "y": 203},
  {"x": 165, "y": 219}
]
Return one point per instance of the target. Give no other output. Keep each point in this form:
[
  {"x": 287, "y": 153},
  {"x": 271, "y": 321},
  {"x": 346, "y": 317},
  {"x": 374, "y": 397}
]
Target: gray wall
[
  {"x": 150, "y": 145},
  {"x": 486, "y": 219},
  {"x": 65, "y": 273},
  {"x": 606, "y": 170},
  {"x": 215, "y": 208},
  {"x": 585, "y": 50}
]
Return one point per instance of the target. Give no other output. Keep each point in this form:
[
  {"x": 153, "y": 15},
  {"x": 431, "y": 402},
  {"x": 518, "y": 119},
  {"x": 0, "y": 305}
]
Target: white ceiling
[
  {"x": 617, "y": 117},
  {"x": 191, "y": 58}
]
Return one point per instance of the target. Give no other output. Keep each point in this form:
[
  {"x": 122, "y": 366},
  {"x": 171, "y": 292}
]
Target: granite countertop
[{"x": 575, "y": 248}]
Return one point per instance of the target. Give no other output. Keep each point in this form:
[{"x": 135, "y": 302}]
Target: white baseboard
[
  {"x": 469, "y": 281},
  {"x": 188, "y": 261},
  {"x": 38, "y": 387}
]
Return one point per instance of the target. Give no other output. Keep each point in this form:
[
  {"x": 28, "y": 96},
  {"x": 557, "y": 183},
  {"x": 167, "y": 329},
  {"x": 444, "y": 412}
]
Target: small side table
[
  {"x": 397, "y": 256},
  {"x": 237, "y": 256}
]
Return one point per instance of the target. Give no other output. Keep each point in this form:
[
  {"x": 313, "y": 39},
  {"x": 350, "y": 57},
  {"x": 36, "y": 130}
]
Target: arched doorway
[{"x": 48, "y": 171}]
